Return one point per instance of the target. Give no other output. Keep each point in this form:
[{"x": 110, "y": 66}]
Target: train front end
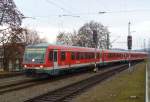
[{"x": 34, "y": 60}]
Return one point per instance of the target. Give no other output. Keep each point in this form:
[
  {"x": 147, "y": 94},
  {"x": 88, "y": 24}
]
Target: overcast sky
[{"x": 47, "y": 19}]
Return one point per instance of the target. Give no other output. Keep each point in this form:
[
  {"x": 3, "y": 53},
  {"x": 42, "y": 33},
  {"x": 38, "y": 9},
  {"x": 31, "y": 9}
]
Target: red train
[{"x": 56, "y": 59}]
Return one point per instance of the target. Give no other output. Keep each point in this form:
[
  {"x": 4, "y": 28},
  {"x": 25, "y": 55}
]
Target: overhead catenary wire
[
  {"x": 56, "y": 5},
  {"x": 70, "y": 14}
]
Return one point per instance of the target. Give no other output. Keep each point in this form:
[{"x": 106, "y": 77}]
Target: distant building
[
  {"x": 1, "y": 58},
  {"x": 11, "y": 56}
]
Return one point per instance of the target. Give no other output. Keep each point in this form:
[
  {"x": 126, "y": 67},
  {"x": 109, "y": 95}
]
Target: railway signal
[
  {"x": 95, "y": 42},
  {"x": 129, "y": 42}
]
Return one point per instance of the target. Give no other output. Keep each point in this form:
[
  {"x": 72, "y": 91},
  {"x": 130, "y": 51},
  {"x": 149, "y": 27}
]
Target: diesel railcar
[{"x": 56, "y": 59}]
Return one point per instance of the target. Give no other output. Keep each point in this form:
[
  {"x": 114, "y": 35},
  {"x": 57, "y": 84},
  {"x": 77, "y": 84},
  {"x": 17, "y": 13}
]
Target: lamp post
[
  {"x": 25, "y": 17},
  {"x": 102, "y": 12},
  {"x": 144, "y": 45},
  {"x": 129, "y": 44},
  {"x": 66, "y": 15}
]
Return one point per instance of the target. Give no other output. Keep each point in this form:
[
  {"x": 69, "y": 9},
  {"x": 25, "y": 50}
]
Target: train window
[
  {"x": 109, "y": 55},
  {"x": 93, "y": 55},
  {"x": 50, "y": 56},
  {"x": 113, "y": 54},
  {"x": 55, "y": 56},
  {"x": 72, "y": 55},
  {"x": 124, "y": 55},
  {"x": 106, "y": 54},
  {"x": 100, "y": 55},
  {"x": 63, "y": 56},
  {"x": 97, "y": 56},
  {"x": 89, "y": 55},
  {"x": 81, "y": 55},
  {"x": 86, "y": 55},
  {"x": 118, "y": 54},
  {"x": 77, "y": 55}
]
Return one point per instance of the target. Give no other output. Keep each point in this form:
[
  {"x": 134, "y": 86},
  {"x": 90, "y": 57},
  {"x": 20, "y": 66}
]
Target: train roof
[
  {"x": 43, "y": 45},
  {"x": 124, "y": 51},
  {"x": 65, "y": 47}
]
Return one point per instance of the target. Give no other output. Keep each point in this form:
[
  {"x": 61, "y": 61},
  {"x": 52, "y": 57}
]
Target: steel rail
[{"x": 66, "y": 93}]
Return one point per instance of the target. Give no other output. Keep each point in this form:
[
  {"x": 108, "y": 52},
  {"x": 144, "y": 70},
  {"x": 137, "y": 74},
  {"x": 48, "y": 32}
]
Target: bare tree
[
  {"x": 84, "y": 37},
  {"x": 85, "y": 34},
  {"x": 23, "y": 35},
  {"x": 66, "y": 38},
  {"x": 31, "y": 37},
  {"x": 9, "y": 14}
]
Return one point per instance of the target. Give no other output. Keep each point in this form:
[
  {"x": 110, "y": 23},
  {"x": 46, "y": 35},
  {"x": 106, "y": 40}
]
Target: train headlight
[
  {"x": 25, "y": 66},
  {"x": 41, "y": 66}
]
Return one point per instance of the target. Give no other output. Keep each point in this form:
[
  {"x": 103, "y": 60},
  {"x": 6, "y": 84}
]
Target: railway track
[
  {"x": 26, "y": 83},
  {"x": 65, "y": 94},
  {"x": 20, "y": 85},
  {"x": 7, "y": 86}
]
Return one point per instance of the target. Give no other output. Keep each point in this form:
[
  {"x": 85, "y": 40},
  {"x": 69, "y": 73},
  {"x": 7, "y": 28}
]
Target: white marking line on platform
[{"x": 146, "y": 96}]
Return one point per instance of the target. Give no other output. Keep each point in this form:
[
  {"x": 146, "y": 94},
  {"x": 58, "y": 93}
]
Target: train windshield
[{"x": 34, "y": 55}]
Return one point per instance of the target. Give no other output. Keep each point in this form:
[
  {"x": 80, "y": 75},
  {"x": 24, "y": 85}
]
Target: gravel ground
[
  {"x": 4, "y": 74},
  {"x": 9, "y": 80},
  {"x": 24, "y": 94}
]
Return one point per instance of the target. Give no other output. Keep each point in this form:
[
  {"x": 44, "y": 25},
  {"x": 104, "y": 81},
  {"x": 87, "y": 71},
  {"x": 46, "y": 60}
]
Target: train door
[{"x": 55, "y": 58}]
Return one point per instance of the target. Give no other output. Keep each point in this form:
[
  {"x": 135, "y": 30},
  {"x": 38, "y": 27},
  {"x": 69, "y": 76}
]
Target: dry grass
[{"x": 119, "y": 89}]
